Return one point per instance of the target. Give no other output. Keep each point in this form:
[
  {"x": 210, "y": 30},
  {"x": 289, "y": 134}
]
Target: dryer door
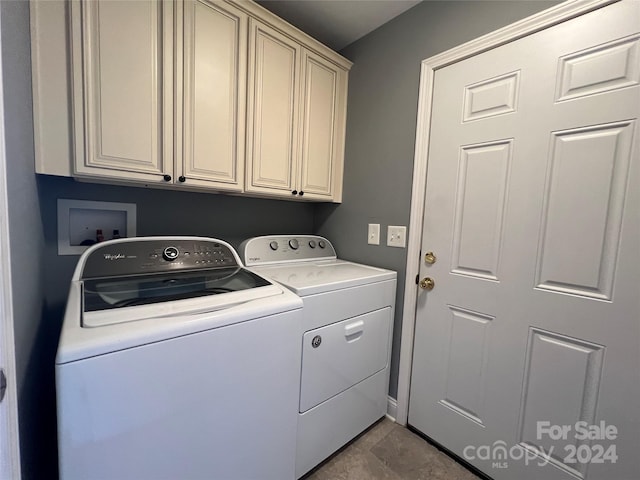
[{"x": 338, "y": 356}]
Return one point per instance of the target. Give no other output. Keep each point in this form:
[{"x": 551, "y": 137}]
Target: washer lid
[
  {"x": 309, "y": 278},
  {"x": 118, "y": 299},
  {"x": 118, "y": 292}
]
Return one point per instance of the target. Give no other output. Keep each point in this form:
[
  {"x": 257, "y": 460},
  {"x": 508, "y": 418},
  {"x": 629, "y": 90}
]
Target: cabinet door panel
[
  {"x": 322, "y": 121},
  {"x": 214, "y": 95},
  {"x": 273, "y": 106},
  {"x": 121, "y": 93}
]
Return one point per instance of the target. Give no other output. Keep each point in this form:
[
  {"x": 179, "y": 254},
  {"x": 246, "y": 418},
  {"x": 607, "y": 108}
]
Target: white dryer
[
  {"x": 176, "y": 362},
  {"x": 346, "y": 338}
]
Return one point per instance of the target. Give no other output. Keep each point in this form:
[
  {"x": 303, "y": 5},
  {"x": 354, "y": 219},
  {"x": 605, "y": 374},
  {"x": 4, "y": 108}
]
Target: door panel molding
[
  {"x": 600, "y": 69},
  {"x": 483, "y": 177},
  {"x": 488, "y": 98},
  {"x": 605, "y": 157},
  {"x": 466, "y": 362},
  {"x": 565, "y": 395},
  {"x": 535, "y": 23}
]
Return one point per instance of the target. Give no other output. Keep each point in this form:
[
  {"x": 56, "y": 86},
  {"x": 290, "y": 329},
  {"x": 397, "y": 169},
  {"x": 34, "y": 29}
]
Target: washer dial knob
[
  {"x": 170, "y": 253},
  {"x": 293, "y": 243},
  {"x": 312, "y": 243},
  {"x": 322, "y": 244},
  {"x": 273, "y": 245}
]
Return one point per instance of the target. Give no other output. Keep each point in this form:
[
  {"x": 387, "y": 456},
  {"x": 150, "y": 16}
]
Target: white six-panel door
[{"x": 533, "y": 213}]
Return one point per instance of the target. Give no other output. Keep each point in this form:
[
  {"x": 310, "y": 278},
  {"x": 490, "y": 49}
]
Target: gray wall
[{"x": 381, "y": 123}]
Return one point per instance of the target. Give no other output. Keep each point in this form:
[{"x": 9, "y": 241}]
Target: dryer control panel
[
  {"x": 141, "y": 256},
  {"x": 285, "y": 248}
]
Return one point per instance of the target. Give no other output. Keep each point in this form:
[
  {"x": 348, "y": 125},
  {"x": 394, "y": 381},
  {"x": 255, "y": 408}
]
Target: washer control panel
[
  {"x": 138, "y": 256},
  {"x": 285, "y": 248}
]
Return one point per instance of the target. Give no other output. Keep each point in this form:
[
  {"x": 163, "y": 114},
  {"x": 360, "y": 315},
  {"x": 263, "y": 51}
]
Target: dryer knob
[
  {"x": 273, "y": 245},
  {"x": 312, "y": 243},
  {"x": 322, "y": 244},
  {"x": 293, "y": 243}
]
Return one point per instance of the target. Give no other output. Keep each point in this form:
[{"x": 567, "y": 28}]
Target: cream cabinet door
[
  {"x": 215, "y": 62},
  {"x": 322, "y": 124},
  {"x": 123, "y": 89},
  {"x": 274, "y": 69}
]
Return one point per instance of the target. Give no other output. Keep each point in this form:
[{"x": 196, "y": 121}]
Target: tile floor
[{"x": 389, "y": 451}]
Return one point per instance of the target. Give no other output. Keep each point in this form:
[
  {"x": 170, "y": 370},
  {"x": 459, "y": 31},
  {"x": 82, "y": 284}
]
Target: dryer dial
[{"x": 293, "y": 243}]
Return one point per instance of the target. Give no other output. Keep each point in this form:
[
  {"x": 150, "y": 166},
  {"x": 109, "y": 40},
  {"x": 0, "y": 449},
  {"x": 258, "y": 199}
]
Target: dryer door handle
[{"x": 354, "y": 331}]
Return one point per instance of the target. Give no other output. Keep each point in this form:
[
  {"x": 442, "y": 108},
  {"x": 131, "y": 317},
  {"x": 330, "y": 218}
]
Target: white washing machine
[
  {"x": 176, "y": 362},
  {"x": 346, "y": 338}
]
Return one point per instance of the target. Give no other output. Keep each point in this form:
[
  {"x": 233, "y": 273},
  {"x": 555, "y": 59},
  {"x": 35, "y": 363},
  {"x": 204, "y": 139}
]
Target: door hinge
[
  {"x": 3, "y": 384},
  {"x": 417, "y": 279}
]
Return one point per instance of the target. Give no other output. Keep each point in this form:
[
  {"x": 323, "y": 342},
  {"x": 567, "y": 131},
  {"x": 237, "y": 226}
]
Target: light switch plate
[
  {"x": 396, "y": 236},
  {"x": 373, "y": 234}
]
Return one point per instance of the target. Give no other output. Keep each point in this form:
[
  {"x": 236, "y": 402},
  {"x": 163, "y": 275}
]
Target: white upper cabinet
[
  {"x": 51, "y": 80},
  {"x": 123, "y": 89},
  {"x": 322, "y": 125},
  {"x": 217, "y": 95},
  {"x": 215, "y": 64},
  {"x": 274, "y": 83},
  {"x": 297, "y": 106}
]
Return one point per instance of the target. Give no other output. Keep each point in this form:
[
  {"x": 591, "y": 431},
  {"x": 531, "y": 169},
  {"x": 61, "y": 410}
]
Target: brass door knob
[
  {"x": 427, "y": 283},
  {"x": 430, "y": 258}
]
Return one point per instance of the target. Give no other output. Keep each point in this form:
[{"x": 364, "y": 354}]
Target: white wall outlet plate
[
  {"x": 396, "y": 236},
  {"x": 373, "y": 234}
]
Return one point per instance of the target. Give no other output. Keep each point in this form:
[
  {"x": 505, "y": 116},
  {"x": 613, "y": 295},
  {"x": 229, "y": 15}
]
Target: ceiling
[{"x": 337, "y": 23}]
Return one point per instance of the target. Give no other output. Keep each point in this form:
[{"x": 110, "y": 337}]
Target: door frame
[
  {"x": 535, "y": 23},
  {"x": 9, "y": 434}
]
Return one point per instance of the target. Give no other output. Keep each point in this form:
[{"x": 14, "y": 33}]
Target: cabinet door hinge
[{"x": 417, "y": 279}]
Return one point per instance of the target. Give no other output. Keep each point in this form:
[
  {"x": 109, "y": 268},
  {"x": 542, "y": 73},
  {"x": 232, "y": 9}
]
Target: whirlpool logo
[{"x": 113, "y": 256}]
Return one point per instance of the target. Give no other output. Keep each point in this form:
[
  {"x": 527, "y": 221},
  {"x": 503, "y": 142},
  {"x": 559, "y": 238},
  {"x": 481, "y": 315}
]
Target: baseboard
[{"x": 392, "y": 408}]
